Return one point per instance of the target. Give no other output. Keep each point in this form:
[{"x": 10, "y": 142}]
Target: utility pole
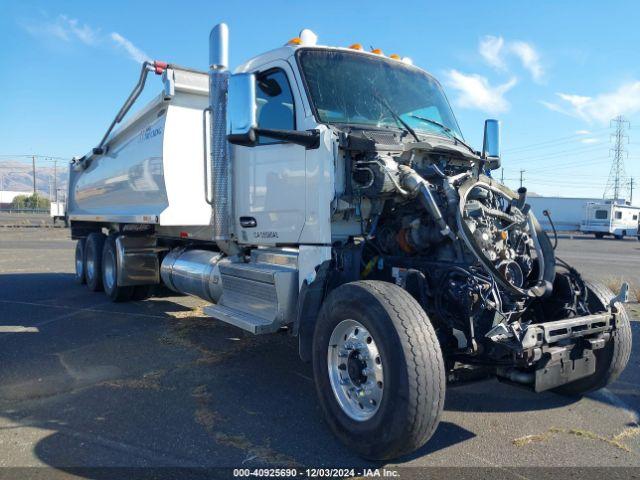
[
  {"x": 502, "y": 175},
  {"x": 617, "y": 174},
  {"x": 33, "y": 163},
  {"x": 631, "y": 190},
  {"x": 55, "y": 179},
  {"x": 521, "y": 177}
]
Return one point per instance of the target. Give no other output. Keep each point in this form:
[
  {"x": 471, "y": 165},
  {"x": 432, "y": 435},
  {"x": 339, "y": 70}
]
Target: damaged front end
[
  {"x": 472, "y": 253},
  {"x": 549, "y": 354}
]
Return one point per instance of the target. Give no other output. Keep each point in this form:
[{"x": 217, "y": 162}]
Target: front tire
[
  {"x": 93, "y": 261},
  {"x": 613, "y": 358},
  {"x": 114, "y": 291},
  {"x": 403, "y": 384}
]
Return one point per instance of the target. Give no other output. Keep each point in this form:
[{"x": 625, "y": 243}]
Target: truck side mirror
[
  {"x": 241, "y": 117},
  {"x": 491, "y": 143},
  {"x": 241, "y": 109}
]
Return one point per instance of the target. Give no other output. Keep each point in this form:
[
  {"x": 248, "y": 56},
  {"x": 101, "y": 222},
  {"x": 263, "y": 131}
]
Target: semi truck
[{"x": 328, "y": 193}]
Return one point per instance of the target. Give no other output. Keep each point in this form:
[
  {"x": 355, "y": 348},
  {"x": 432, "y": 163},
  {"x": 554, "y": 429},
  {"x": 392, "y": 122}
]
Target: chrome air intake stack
[{"x": 219, "y": 157}]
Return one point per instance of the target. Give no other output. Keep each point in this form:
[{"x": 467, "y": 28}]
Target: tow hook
[{"x": 622, "y": 297}]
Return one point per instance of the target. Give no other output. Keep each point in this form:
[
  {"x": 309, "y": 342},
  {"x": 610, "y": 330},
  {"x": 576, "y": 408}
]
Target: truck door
[{"x": 269, "y": 178}]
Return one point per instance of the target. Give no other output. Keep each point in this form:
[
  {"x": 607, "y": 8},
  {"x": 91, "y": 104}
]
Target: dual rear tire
[{"x": 96, "y": 263}]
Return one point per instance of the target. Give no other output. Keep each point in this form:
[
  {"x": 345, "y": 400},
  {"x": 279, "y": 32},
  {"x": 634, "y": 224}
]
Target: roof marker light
[
  {"x": 395, "y": 56},
  {"x": 308, "y": 37},
  {"x": 377, "y": 51},
  {"x": 294, "y": 41},
  {"x": 356, "y": 46}
]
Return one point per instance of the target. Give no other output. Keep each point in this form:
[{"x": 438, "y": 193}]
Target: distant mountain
[{"x": 18, "y": 176}]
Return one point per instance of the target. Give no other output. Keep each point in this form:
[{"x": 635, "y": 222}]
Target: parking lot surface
[{"x": 85, "y": 382}]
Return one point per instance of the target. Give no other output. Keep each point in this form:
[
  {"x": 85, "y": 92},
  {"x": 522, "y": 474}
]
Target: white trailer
[
  {"x": 58, "y": 211},
  {"x": 607, "y": 217},
  {"x": 328, "y": 192},
  {"x": 565, "y": 212}
]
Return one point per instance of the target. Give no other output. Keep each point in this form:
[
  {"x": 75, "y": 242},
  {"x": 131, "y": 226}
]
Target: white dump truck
[
  {"x": 609, "y": 217},
  {"x": 328, "y": 192}
]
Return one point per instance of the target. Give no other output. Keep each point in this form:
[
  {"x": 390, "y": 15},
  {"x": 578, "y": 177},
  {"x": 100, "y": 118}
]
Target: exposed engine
[{"x": 465, "y": 246}]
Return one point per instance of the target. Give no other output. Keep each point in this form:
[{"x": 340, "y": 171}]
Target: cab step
[
  {"x": 240, "y": 319},
  {"x": 259, "y": 297}
]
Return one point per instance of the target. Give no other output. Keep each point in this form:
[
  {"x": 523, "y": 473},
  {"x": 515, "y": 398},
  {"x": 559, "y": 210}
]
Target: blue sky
[{"x": 553, "y": 72}]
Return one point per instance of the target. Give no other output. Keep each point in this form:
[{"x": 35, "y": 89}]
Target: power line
[
  {"x": 566, "y": 139},
  {"x": 559, "y": 153}
]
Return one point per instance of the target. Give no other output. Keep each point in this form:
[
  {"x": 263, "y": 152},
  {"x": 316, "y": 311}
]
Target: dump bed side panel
[
  {"x": 127, "y": 183},
  {"x": 153, "y": 169}
]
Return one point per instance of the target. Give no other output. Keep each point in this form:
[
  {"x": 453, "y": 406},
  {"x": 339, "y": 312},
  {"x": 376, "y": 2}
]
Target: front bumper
[{"x": 554, "y": 353}]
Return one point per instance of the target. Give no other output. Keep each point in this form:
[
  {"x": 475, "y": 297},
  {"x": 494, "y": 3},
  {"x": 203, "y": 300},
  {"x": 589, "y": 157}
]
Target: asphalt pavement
[{"x": 88, "y": 383}]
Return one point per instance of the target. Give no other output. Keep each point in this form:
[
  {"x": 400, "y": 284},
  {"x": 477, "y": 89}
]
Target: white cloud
[
  {"x": 491, "y": 49},
  {"x": 68, "y": 30},
  {"x": 474, "y": 91},
  {"x": 63, "y": 28},
  {"x": 495, "y": 50},
  {"x": 589, "y": 140},
  {"x": 134, "y": 52},
  {"x": 602, "y": 107},
  {"x": 529, "y": 57},
  {"x": 583, "y": 132}
]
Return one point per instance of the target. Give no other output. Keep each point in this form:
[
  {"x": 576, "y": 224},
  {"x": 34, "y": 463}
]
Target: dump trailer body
[{"x": 153, "y": 169}]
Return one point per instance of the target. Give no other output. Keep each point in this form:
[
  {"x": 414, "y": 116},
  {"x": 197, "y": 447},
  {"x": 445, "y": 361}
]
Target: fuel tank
[{"x": 153, "y": 170}]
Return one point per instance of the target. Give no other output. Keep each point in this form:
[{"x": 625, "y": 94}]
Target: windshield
[{"x": 361, "y": 89}]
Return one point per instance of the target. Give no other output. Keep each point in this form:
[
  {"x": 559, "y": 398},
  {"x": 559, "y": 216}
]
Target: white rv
[{"x": 610, "y": 218}]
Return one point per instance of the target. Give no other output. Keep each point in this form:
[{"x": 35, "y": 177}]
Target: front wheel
[
  {"x": 610, "y": 360},
  {"x": 378, "y": 369}
]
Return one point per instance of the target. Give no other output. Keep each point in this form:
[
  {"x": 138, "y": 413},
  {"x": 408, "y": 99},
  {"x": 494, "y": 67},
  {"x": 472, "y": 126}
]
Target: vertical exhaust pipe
[{"x": 219, "y": 156}]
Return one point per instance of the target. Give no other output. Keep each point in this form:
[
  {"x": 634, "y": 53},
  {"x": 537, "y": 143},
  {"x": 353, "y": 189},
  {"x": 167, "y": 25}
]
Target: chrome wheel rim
[
  {"x": 356, "y": 370},
  {"x": 79, "y": 263},
  {"x": 109, "y": 270}
]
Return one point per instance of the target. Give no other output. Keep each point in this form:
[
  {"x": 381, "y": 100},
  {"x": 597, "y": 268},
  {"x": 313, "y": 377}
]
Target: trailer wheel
[
  {"x": 599, "y": 235},
  {"x": 80, "y": 262},
  {"x": 114, "y": 291},
  {"x": 610, "y": 360},
  {"x": 378, "y": 369},
  {"x": 618, "y": 237},
  {"x": 93, "y": 261}
]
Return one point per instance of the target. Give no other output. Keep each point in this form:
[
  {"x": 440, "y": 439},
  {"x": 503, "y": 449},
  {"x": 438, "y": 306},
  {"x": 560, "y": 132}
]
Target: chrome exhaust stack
[{"x": 220, "y": 164}]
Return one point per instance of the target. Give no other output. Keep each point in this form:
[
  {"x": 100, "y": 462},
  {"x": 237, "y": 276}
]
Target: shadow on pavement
[{"x": 156, "y": 383}]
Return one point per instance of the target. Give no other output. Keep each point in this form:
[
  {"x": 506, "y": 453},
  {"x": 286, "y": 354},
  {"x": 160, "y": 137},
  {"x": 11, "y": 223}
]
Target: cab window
[{"x": 275, "y": 109}]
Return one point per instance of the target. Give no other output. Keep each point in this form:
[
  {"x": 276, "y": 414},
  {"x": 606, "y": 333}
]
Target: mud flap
[{"x": 560, "y": 365}]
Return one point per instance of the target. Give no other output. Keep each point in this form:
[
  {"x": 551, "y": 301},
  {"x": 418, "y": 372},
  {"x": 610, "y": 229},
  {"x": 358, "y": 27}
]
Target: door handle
[{"x": 248, "y": 222}]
